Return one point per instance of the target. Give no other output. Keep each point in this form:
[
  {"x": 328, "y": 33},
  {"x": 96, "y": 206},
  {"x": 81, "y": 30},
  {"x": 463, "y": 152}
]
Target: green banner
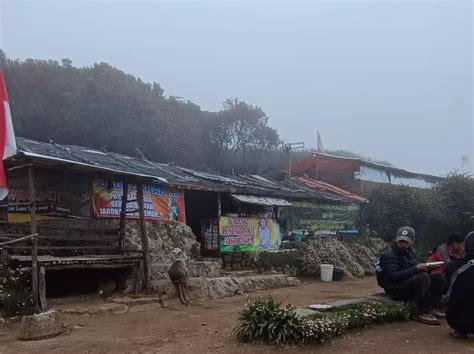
[{"x": 321, "y": 216}]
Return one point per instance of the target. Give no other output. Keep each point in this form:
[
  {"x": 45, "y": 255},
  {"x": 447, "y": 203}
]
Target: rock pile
[{"x": 355, "y": 258}]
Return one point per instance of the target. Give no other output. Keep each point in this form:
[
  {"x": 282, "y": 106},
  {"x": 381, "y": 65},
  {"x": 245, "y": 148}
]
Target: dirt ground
[{"x": 207, "y": 326}]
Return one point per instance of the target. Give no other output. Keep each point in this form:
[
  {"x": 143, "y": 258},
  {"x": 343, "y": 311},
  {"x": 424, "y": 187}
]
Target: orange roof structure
[{"x": 323, "y": 186}]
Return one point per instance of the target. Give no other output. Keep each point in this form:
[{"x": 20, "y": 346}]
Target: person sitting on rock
[
  {"x": 459, "y": 298},
  {"x": 403, "y": 279},
  {"x": 452, "y": 250}
]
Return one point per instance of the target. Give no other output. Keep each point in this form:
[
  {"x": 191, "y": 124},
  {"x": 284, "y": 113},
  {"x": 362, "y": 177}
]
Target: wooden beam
[
  {"x": 72, "y": 248},
  {"x": 20, "y": 167},
  {"x": 123, "y": 214},
  {"x": 144, "y": 236},
  {"x": 90, "y": 266},
  {"x": 34, "y": 246}
]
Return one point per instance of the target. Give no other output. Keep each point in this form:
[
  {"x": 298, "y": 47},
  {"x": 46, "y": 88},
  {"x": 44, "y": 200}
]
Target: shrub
[
  {"x": 264, "y": 320},
  {"x": 433, "y": 213},
  {"x": 18, "y": 302},
  {"x": 17, "y": 298}
]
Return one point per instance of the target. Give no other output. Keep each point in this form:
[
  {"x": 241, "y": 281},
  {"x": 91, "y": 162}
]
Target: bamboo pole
[
  {"x": 144, "y": 236},
  {"x": 123, "y": 215},
  {"x": 34, "y": 246}
]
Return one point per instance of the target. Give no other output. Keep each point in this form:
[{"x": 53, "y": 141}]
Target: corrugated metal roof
[
  {"x": 326, "y": 162},
  {"x": 92, "y": 160},
  {"x": 312, "y": 183},
  {"x": 252, "y": 199}
]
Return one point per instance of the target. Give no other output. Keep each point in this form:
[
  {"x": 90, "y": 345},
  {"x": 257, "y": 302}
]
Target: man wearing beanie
[
  {"x": 406, "y": 280},
  {"x": 460, "y": 296}
]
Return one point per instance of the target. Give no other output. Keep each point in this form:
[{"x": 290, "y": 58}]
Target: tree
[
  {"x": 454, "y": 201},
  {"x": 241, "y": 130},
  {"x": 102, "y": 107}
]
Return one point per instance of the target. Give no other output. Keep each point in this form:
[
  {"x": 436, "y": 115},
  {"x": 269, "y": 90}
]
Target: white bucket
[{"x": 326, "y": 272}]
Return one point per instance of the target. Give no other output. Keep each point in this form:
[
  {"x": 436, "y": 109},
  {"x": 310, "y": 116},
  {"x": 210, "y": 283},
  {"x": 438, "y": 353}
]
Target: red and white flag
[{"x": 7, "y": 136}]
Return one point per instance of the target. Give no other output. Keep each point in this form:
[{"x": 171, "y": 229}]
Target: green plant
[
  {"x": 321, "y": 327},
  {"x": 264, "y": 320},
  {"x": 16, "y": 299},
  {"x": 18, "y": 302},
  {"x": 434, "y": 213}
]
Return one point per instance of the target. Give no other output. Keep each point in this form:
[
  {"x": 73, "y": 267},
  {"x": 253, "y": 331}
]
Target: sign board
[
  {"x": 248, "y": 234},
  {"x": 322, "y": 216},
  {"x": 160, "y": 202}
]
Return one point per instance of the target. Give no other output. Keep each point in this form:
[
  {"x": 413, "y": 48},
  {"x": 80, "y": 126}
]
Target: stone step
[
  {"x": 239, "y": 273},
  {"x": 93, "y": 309},
  {"x": 135, "y": 300},
  {"x": 219, "y": 287}
]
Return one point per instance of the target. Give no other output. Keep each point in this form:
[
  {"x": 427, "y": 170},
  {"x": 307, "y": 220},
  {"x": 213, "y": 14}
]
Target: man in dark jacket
[
  {"x": 460, "y": 296},
  {"x": 406, "y": 280}
]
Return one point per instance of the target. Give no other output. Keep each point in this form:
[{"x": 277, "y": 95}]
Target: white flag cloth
[{"x": 320, "y": 144}]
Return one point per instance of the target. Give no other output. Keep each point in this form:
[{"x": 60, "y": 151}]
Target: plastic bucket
[
  {"x": 337, "y": 274},
  {"x": 326, "y": 272},
  {"x": 298, "y": 236}
]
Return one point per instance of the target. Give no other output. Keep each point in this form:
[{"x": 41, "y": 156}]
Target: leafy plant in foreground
[{"x": 264, "y": 320}]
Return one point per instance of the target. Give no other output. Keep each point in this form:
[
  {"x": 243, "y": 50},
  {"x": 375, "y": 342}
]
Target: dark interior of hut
[
  {"x": 71, "y": 282},
  {"x": 200, "y": 206}
]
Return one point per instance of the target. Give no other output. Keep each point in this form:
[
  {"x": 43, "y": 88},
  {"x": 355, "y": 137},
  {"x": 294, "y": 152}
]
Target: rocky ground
[{"x": 206, "y": 326}]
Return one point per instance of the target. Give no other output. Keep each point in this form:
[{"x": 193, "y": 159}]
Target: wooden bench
[{"x": 66, "y": 248}]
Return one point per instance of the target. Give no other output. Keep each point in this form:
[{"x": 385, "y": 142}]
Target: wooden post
[
  {"x": 139, "y": 284},
  {"x": 219, "y": 214},
  {"x": 144, "y": 236},
  {"x": 123, "y": 214},
  {"x": 4, "y": 256},
  {"x": 34, "y": 240},
  {"x": 42, "y": 289}
]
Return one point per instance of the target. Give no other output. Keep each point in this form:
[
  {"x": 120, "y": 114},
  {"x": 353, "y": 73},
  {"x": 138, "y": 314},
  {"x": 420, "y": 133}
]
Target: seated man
[
  {"x": 406, "y": 280},
  {"x": 452, "y": 250},
  {"x": 459, "y": 299}
]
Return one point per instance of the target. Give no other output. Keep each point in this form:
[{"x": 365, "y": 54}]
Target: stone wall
[
  {"x": 239, "y": 260},
  {"x": 169, "y": 241}
]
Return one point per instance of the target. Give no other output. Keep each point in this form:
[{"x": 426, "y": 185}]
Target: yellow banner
[{"x": 248, "y": 234}]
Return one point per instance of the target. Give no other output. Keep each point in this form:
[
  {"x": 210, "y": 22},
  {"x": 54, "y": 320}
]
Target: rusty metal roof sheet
[{"x": 252, "y": 199}]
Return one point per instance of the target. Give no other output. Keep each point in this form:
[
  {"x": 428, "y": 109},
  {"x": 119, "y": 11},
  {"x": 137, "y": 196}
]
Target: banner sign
[
  {"x": 321, "y": 216},
  {"x": 56, "y": 195},
  {"x": 160, "y": 202},
  {"x": 248, "y": 234},
  {"x": 47, "y": 202}
]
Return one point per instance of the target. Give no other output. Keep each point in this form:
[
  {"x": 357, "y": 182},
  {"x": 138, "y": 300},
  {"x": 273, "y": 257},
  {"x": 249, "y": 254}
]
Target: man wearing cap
[
  {"x": 460, "y": 296},
  {"x": 406, "y": 280}
]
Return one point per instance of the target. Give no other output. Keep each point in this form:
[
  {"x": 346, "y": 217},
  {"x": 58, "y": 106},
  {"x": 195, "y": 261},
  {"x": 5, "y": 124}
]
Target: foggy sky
[{"x": 391, "y": 80}]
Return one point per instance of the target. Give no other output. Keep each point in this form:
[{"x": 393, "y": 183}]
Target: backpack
[
  {"x": 469, "y": 264},
  {"x": 379, "y": 273}
]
